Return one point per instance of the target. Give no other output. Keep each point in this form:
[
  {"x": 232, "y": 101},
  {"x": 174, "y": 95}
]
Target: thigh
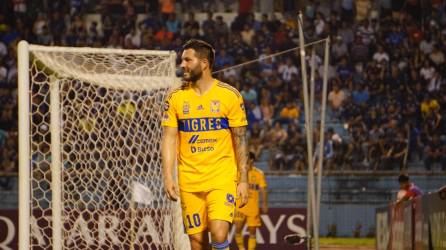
[
  {"x": 194, "y": 212},
  {"x": 221, "y": 203}
]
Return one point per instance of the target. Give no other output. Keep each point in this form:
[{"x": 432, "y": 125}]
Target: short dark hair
[
  {"x": 403, "y": 178},
  {"x": 252, "y": 156},
  {"x": 202, "y": 48}
]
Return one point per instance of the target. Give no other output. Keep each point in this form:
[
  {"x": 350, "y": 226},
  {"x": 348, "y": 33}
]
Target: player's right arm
[
  {"x": 169, "y": 147},
  {"x": 168, "y": 154}
]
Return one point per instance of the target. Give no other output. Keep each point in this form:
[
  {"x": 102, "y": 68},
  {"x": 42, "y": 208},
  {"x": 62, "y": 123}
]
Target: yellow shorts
[
  {"x": 199, "y": 207},
  {"x": 252, "y": 220}
]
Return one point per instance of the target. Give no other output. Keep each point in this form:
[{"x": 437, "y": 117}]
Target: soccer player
[
  {"x": 250, "y": 213},
  {"x": 205, "y": 132}
]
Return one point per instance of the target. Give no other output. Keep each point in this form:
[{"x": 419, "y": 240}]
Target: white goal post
[{"x": 90, "y": 174}]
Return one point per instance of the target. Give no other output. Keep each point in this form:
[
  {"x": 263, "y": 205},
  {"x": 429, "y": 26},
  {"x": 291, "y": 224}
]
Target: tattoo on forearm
[{"x": 241, "y": 150}]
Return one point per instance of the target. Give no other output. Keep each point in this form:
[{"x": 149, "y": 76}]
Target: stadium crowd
[{"x": 387, "y": 92}]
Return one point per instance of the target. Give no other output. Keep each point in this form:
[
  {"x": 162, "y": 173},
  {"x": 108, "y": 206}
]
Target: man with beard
[{"x": 205, "y": 133}]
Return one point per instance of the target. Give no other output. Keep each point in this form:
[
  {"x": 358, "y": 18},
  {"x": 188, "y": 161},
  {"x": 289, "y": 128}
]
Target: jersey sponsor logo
[
  {"x": 165, "y": 117},
  {"x": 185, "y": 108},
  {"x": 242, "y": 106},
  {"x": 194, "y": 139},
  {"x": 203, "y": 124},
  {"x": 215, "y": 106},
  {"x": 194, "y": 149},
  {"x": 254, "y": 186}
]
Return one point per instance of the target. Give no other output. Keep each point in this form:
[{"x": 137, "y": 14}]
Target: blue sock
[{"x": 220, "y": 246}]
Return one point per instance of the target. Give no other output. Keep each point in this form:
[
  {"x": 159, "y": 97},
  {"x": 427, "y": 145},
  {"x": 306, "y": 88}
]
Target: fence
[{"x": 419, "y": 224}]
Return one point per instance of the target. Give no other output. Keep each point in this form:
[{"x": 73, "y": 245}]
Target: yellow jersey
[
  {"x": 206, "y": 157},
  {"x": 256, "y": 181}
]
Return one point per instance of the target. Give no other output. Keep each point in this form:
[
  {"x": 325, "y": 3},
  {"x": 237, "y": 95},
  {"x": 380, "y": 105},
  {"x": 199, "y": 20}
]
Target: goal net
[{"x": 90, "y": 163}]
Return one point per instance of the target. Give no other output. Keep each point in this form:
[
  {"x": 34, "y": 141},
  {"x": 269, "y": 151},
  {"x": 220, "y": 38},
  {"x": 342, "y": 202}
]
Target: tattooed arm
[{"x": 241, "y": 150}]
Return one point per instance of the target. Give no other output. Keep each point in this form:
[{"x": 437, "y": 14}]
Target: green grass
[{"x": 348, "y": 241}]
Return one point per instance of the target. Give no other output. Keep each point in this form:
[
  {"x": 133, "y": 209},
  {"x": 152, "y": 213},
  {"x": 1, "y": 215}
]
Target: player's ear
[{"x": 204, "y": 63}]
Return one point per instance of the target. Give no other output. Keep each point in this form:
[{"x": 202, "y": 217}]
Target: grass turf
[{"x": 347, "y": 241}]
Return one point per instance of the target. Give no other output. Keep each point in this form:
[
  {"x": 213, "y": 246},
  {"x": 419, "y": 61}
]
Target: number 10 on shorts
[{"x": 194, "y": 222}]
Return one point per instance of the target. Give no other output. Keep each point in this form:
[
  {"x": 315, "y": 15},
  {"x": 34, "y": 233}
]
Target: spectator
[
  {"x": 223, "y": 59},
  {"x": 256, "y": 139},
  {"x": 339, "y": 48},
  {"x": 290, "y": 113},
  {"x": 381, "y": 56},
  {"x": 173, "y": 24},
  {"x": 427, "y": 44},
  {"x": 267, "y": 110},
  {"x": 163, "y": 34},
  {"x": 247, "y": 34},
  {"x": 437, "y": 56},
  {"x": 191, "y": 24},
  {"x": 360, "y": 95},
  {"x": 249, "y": 93},
  {"x": 209, "y": 23},
  {"x": 344, "y": 70},
  {"x": 412, "y": 191},
  {"x": 221, "y": 27},
  {"x": 336, "y": 99},
  {"x": 278, "y": 135},
  {"x": 428, "y": 106},
  {"x": 359, "y": 51},
  {"x": 427, "y": 71},
  {"x": 319, "y": 24},
  {"x": 293, "y": 149},
  {"x": 253, "y": 114},
  {"x": 435, "y": 152},
  {"x": 346, "y": 33},
  {"x": 133, "y": 39},
  {"x": 167, "y": 8},
  {"x": 287, "y": 69},
  {"x": 367, "y": 32},
  {"x": 397, "y": 154}
]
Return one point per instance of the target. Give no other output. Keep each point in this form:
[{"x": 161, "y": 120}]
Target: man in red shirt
[{"x": 412, "y": 191}]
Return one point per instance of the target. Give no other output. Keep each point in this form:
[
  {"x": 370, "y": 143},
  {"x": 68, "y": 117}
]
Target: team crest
[
  {"x": 185, "y": 108},
  {"x": 230, "y": 200},
  {"x": 215, "y": 106}
]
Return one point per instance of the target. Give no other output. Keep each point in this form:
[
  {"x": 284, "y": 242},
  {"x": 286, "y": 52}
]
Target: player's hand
[
  {"x": 171, "y": 190},
  {"x": 242, "y": 193}
]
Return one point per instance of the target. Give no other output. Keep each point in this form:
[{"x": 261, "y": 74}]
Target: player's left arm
[
  {"x": 264, "y": 193},
  {"x": 241, "y": 150}
]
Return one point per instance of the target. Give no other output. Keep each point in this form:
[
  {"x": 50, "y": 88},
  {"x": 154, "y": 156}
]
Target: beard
[{"x": 193, "y": 75}]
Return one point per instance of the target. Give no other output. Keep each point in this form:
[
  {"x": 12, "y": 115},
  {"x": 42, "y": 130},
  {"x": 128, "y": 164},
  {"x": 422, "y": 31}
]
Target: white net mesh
[{"x": 110, "y": 134}]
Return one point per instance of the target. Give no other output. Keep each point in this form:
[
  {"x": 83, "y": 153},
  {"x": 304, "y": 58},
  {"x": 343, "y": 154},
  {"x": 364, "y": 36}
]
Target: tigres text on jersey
[{"x": 206, "y": 157}]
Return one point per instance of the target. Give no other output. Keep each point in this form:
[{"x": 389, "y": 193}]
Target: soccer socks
[
  {"x": 239, "y": 241},
  {"x": 252, "y": 243},
  {"x": 220, "y": 246}
]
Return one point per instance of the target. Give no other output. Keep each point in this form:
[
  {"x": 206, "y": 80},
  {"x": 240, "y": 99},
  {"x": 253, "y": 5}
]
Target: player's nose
[{"x": 183, "y": 64}]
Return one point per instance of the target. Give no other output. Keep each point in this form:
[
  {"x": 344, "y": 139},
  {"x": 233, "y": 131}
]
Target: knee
[
  {"x": 219, "y": 237},
  {"x": 198, "y": 241}
]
